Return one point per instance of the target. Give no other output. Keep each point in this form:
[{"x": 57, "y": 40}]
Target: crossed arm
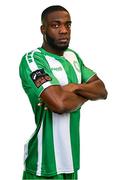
[
  {"x": 94, "y": 89},
  {"x": 61, "y": 99}
]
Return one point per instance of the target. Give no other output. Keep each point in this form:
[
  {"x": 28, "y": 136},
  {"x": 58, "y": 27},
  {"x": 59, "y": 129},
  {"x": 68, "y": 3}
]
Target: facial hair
[{"x": 51, "y": 43}]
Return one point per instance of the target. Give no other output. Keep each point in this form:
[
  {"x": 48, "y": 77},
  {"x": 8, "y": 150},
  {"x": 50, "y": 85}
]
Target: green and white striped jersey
[{"x": 54, "y": 147}]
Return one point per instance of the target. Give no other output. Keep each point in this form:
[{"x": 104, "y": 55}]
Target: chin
[{"x": 62, "y": 48}]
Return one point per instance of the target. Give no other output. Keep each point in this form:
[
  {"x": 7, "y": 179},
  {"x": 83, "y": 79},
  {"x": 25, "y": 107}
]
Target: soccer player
[{"x": 57, "y": 83}]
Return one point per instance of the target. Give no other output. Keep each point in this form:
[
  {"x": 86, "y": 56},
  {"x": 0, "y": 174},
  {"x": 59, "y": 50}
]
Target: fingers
[
  {"x": 41, "y": 104},
  {"x": 46, "y": 108}
]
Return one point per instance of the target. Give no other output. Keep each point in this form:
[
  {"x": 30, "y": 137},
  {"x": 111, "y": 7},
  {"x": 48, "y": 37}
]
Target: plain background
[{"x": 96, "y": 37}]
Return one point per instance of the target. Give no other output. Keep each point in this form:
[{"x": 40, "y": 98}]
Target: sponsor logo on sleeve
[{"x": 39, "y": 77}]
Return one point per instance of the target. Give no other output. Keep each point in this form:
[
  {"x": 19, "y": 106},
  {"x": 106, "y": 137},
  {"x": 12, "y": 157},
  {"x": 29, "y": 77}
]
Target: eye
[
  {"x": 69, "y": 25},
  {"x": 55, "y": 25}
]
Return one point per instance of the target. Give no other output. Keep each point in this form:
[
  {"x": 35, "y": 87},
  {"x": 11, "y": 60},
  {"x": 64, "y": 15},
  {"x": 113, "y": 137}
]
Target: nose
[{"x": 63, "y": 29}]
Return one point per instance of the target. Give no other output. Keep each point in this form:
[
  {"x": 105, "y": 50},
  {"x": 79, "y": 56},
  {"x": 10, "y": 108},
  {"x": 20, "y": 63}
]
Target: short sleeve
[
  {"x": 86, "y": 73},
  {"x": 35, "y": 76}
]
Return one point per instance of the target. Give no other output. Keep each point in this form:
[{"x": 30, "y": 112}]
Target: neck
[{"x": 51, "y": 50}]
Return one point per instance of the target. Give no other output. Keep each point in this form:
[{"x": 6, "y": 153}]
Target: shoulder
[
  {"x": 36, "y": 53},
  {"x": 72, "y": 52},
  {"x": 31, "y": 56},
  {"x": 69, "y": 50}
]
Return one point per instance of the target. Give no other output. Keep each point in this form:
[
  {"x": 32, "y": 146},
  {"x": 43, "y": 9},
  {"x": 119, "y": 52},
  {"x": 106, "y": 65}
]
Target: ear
[{"x": 42, "y": 28}]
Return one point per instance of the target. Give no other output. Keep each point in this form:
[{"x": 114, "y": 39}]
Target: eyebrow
[{"x": 58, "y": 21}]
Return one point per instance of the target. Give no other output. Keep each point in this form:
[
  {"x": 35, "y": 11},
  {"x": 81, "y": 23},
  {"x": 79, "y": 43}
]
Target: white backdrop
[{"x": 96, "y": 36}]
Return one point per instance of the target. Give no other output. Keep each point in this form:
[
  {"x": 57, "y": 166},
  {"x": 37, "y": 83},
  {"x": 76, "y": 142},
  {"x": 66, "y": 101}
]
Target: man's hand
[
  {"x": 94, "y": 89},
  {"x": 70, "y": 101},
  {"x": 70, "y": 87},
  {"x": 61, "y": 99}
]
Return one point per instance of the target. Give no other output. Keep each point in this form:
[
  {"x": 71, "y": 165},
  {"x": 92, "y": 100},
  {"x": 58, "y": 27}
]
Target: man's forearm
[
  {"x": 92, "y": 91},
  {"x": 73, "y": 102},
  {"x": 59, "y": 100}
]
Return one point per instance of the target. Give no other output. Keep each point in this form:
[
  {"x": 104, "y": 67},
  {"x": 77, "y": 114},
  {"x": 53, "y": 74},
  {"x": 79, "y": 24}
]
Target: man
[{"x": 57, "y": 84}]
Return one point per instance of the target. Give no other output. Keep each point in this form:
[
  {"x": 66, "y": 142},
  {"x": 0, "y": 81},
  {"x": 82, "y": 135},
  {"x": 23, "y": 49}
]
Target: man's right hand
[{"x": 70, "y": 87}]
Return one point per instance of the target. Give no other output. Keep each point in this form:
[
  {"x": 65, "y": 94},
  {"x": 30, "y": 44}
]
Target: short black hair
[{"x": 51, "y": 9}]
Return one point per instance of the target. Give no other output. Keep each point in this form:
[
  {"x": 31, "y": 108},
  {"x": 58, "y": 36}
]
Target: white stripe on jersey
[
  {"x": 60, "y": 75},
  {"x": 26, "y": 149},
  {"x": 71, "y": 57},
  {"x": 39, "y": 162},
  {"x": 32, "y": 64},
  {"x": 62, "y": 143},
  {"x": 25, "y": 153},
  {"x": 47, "y": 84},
  {"x": 61, "y": 125}
]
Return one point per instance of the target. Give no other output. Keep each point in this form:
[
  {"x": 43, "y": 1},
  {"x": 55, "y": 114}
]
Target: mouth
[{"x": 63, "y": 40}]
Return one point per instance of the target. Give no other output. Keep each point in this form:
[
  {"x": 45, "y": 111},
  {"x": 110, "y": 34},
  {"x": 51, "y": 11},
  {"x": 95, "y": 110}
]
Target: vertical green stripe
[
  {"x": 31, "y": 161},
  {"x": 48, "y": 154},
  {"x": 75, "y": 137}
]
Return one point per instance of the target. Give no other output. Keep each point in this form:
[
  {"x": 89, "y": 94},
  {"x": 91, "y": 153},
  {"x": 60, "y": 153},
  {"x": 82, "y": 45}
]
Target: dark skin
[
  {"x": 69, "y": 97},
  {"x": 56, "y": 25}
]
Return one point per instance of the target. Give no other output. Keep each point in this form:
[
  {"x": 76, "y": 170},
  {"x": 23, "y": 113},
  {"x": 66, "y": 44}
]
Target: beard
[{"x": 57, "y": 46}]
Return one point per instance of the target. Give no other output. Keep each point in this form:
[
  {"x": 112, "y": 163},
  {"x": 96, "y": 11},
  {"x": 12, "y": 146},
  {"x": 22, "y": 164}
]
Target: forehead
[{"x": 61, "y": 16}]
